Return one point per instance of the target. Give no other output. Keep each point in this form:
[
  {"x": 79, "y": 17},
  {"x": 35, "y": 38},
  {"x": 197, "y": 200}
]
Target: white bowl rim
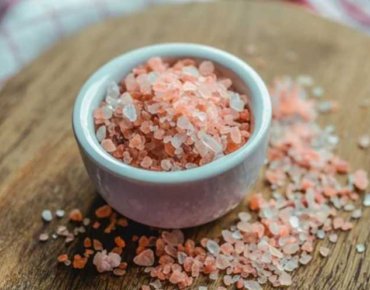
[{"x": 81, "y": 117}]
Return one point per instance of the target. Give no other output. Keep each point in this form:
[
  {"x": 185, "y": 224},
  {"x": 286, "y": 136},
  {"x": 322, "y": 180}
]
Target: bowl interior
[{"x": 245, "y": 80}]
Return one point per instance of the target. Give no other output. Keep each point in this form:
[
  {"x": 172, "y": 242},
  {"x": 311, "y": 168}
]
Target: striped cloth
[{"x": 29, "y": 27}]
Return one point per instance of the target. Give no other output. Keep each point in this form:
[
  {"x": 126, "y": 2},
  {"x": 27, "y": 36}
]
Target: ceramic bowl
[{"x": 183, "y": 198}]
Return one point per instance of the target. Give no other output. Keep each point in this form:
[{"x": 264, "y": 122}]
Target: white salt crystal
[
  {"x": 236, "y": 103},
  {"x": 101, "y": 133},
  {"x": 357, "y": 213},
  {"x": 360, "y": 248},
  {"x": 202, "y": 288},
  {"x": 320, "y": 234},
  {"x": 129, "y": 111},
  {"x": 190, "y": 70},
  {"x": 210, "y": 142},
  {"x": 113, "y": 90},
  {"x": 294, "y": 221},
  {"x": 305, "y": 259},
  {"x": 252, "y": 285},
  {"x": 46, "y": 215},
  {"x": 244, "y": 216},
  {"x": 178, "y": 140},
  {"x": 213, "y": 247},
  {"x": 317, "y": 91},
  {"x": 126, "y": 99},
  {"x": 184, "y": 123},
  {"x": 366, "y": 201},
  {"x": 59, "y": 213},
  {"x": 107, "y": 112},
  {"x": 324, "y": 251},
  {"x": 291, "y": 265}
]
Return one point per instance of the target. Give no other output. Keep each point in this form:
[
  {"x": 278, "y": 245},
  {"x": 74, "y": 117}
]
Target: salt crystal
[
  {"x": 236, "y": 103},
  {"x": 107, "y": 112},
  {"x": 59, "y": 213},
  {"x": 366, "y": 201},
  {"x": 202, "y": 288},
  {"x": 324, "y": 251},
  {"x": 291, "y": 249},
  {"x": 317, "y": 91},
  {"x": 210, "y": 142},
  {"x": 113, "y": 90},
  {"x": 43, "y": 237},
  {"x": 305, "y": 259},
  {"x": 360, "y": 248},
  {"x": 294, "y": 221},
  {"x": 145, "y": 258},
  {"x": 252, "y": 285},
  {"x": 244, "y": 216},
  {"x": 320, "y": 234},
  {"x": 357, "y": 213},
  {"x": 46, "y": 215},
  {"x": 364, "y": 141},
  {"x": 190, "y": 70},
  {"x": 213, "y": 247},
  {"x": 129, "y": 111},
  {"x": 101, "y": 133},
  {"x": 285, "y": 279},
  {"x": 156, "y": 284},
  {"x": 333, "y": 238}
]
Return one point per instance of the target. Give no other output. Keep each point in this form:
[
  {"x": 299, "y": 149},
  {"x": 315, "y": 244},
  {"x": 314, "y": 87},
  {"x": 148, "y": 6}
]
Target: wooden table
[{"x": 41, "y": 167}]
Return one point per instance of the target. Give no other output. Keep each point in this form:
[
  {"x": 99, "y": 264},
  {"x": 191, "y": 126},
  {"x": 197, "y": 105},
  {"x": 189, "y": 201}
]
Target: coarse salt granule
[
  {"x": 172, "y": 116},
  {"x": 360, "y": 248}
]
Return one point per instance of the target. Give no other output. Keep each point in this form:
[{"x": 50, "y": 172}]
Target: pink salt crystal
[
  {"x": 324, "y": 251},
  {"x": 104, "y": 262},
  {"x": 146, "y": 162},
  {"x": 130, "y": 82},
  {"x": 145, "y": 287},
  {"x": 108, "y": 145},
  {"x": 360, "y": 179},
  {"x": 285, "y": 279},
  {"x": 206, "y": 68},
  {"x": 145, "y": 258},
  {"x": 235, "y": 135},
  {"x": 173, "y": 238}
]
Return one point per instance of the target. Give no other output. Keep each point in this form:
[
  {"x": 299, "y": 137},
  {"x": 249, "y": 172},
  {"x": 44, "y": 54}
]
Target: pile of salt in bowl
[
  {"x": 170, "y": 116},
  {"x": 309, "y": 202}
]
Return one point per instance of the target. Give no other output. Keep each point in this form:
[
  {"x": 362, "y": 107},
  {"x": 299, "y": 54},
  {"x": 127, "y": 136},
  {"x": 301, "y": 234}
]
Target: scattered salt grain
[
  {"x": 145, "y": 258},
  {"x": 364, "y": 141},
  {"x": 317, "y": 92},
  {"x": 252, "y": 285},
  {"x": 333, "y": 238},
  {"x": 324, "y": 252},
  {"x": 43, "y": 237},
  {"x": 360, "y": 248},
  {"x": 47, "y": 215},
  {"x": 366, "y": 201},
  {"x": 357, "y": 213},
  {"x": 59, "y": 213},
  {"x": 213, "y": 247}
]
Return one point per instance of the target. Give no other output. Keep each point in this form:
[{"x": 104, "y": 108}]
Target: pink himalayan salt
[
  {"x": 360, "y": 179},
  {"x": 280, "y": 235},
  {"x": 185, "y": 113},
  {"x": 104, "y": 262},
  {"x": 145, "y": 258}
]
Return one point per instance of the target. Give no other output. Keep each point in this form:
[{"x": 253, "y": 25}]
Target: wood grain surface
[{"x": 40, "y": 163}]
